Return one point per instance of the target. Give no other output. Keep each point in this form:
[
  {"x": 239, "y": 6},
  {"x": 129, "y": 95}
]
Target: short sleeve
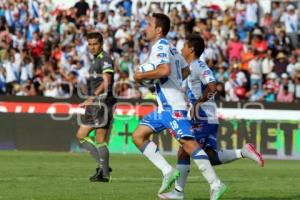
[
  {"x": 107, "y": 66},
  {"x": 206, "y": 75}
]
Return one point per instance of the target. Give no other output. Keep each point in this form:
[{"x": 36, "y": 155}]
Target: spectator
[
  {"x": 259, "y": 44},
  {"x": 283, "y": 42},
  {"x": 267, "y": 65},
  {"x": 251, "y": 19},
  {"x": 280, "y": 64},
  {"x": 82, "y": 8},
  {"x": 126, "y": 65},
  {"x": 221, "y": 74},
  {"x": 255, "y": 94},
  {"x": 285, "y": 95},
  {"x": 235, "y": 48},
  {"x": 230, "y": 87},
  {"x": 286, "y": 82},
  {"x": 290, "y": 20},
  {"x": 221, "y": 94},
  {"x": 296, "y": 79},
  {"x": 247, "y": 56},
  {"x": 43, "y": 49},
  {"x": 292, "y": 65},
  {"x": 272, "y": 82},
  {"x": 276, "y": 12},
  {"x": 255, "y": 69},
  {"x": 269, "y": 94}
]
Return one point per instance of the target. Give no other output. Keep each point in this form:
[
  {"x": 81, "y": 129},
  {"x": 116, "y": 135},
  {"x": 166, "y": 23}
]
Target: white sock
[
  {"x": 150, "y": 150},
  {"x": 229, "y": 155},
  {"x": 201, "y": 159},
  {"x": 184, "y": 172}
]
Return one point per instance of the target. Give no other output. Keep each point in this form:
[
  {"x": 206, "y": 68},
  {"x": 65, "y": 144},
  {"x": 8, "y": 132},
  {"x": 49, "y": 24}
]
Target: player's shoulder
[
  {"x": 106, "y": 57},
  {"x": 161, "y": 44},
  {"x": 163, "y": 41},
  {"x": 201, "y": 64}
]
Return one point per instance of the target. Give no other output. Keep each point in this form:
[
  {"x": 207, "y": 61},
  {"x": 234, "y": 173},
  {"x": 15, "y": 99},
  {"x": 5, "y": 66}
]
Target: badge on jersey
[
  {"x": 160, "y": 47},
  {"x": 161, "y": 55},
  {"x": 106, "y": 65},
  {"x": 179, "y": 115}
]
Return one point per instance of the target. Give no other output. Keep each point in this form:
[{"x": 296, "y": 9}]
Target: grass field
[{"x": 64, "y": 176}]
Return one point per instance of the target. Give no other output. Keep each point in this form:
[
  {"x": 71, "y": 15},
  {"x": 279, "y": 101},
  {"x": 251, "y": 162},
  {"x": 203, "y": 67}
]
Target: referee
[{"x": 98, "y": 108}]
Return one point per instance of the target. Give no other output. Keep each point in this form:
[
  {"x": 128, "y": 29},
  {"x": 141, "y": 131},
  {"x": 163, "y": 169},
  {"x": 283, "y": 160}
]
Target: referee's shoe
[{"x": 98, "y": 176}]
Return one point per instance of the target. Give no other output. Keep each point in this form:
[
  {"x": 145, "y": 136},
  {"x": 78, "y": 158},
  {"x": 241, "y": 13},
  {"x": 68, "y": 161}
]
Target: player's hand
[
  {"x": 138, "y": 76},
  {"x": 192, "y": 112},
  {"x": 194, "y": 109},
  {"x": 87, "y": 102}
]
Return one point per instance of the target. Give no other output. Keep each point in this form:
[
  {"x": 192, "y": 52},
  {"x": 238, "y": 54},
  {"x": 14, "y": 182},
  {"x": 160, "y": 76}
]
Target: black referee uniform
[{"x": 100, "y": 114}]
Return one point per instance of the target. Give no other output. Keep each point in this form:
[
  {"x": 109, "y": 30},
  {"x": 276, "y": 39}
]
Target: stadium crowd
[{"x": 43, "y": 49}]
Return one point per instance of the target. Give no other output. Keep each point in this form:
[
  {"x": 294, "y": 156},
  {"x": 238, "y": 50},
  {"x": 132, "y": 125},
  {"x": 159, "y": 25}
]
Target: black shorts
[{"x": 100, "y": 114}]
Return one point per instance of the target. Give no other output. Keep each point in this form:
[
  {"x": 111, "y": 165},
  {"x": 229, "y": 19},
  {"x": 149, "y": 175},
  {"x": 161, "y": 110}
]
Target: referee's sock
[
  {"x": 89, "y": 145},
  {"x": 104, "y": 158}
]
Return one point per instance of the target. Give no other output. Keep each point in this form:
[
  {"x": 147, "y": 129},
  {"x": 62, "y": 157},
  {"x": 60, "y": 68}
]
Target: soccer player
[
  {"x": 200, "y": 89},
  {"x": 172, "y": 110},
  {"x": 99, "y": 107}
]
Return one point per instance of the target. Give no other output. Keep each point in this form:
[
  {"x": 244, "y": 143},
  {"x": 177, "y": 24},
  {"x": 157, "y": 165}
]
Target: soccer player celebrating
[
  {"x": 99, "y": 107},
  {"x": 200, "y": 89},
  {"x": 172, "y": 109}
]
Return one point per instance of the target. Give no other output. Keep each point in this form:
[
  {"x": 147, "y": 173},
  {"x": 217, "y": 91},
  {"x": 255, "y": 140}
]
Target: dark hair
[
  {"x": 196, "y": 42},
  {"x": 162, "y": 21},
  {"x": 95, "y": 35}
]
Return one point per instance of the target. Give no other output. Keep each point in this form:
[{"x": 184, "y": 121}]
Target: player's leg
[
  {"x": 149, "y": 148},
  {"x": 183, "y": 166},
  {"x": 87, "y": 143},
  {"x": 182, "y": 126},
  {"x": 101, "y": 134},
  {"x": 201, "y": 159},
  {"x": 224, "y": 156},
  {"x": 103, "y": 116},
  {"x": 152, "y": 123}
]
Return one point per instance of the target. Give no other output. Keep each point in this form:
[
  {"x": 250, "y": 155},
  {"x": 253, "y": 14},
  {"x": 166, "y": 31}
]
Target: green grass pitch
[{"x": 64, "y": 176}]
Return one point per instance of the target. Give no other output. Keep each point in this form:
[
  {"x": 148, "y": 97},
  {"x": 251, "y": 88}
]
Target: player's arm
[
  {"x": 162, "y": 70},
  {"x": 107, "y": 80},
  {"x": 207, "y": 79},
  {"x": 209, "y": 92},
  {"x": 107, "y": 76},
  {"x": 185, "y": 72}
]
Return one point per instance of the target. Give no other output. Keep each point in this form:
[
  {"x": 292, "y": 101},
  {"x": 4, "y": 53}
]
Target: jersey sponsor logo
[
  {"x": 161, "y": 55},
  {"x": 106, "y": 65},
  {"x": 206, "y": 73},
  {"x": 162, "y": 61}
]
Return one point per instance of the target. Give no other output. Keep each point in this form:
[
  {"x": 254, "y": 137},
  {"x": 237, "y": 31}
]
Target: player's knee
[
  {"x": 181, "y": 154},
  {"x": 189, "y": 145},
  {"x": 79, "y": 135},
  {"x": 213, "y": 156},
  {"x": 136, "y": 138}
]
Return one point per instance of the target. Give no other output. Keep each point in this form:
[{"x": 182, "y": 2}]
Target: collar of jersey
[{"x": 100, "y": 55}]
